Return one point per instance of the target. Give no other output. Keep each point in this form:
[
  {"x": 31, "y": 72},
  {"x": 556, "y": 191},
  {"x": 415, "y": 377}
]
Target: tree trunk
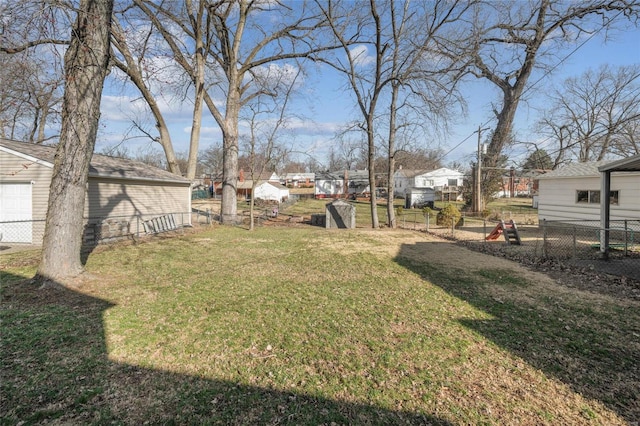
[
  {"x": 393, "y": 112},
  {"x": 86, "y": 65},
  {"x": 229, "y": 207},
  {"x": 375, "y": 224}
]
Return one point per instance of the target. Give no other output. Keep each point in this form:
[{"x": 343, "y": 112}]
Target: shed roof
[
  {"x": 631, "y": 164},
  {"x": 101, "y": 165}
]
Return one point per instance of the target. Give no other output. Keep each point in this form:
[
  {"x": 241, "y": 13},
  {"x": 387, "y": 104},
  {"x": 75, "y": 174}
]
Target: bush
[
  {"x": 449, "y": 214},
  {"x": 399, "y": 210},
  {"x": 429, "y": 211}
]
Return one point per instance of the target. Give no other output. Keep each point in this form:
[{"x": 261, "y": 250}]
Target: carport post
[{"x": 605, "y": 213}]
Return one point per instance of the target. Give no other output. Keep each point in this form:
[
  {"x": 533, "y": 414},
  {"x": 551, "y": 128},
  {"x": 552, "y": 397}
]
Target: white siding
[
  {"x": 120, "y": 197},
  {"x": 557, "y": 198}
]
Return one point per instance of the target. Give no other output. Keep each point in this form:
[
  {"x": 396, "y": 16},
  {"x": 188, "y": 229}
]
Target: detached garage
[
  {"x": 572, "y": 194},
  {"x": 122, "y": 195}
]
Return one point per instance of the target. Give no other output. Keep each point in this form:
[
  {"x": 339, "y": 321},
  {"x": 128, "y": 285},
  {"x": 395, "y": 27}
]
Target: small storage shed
[
  {"x": 122, "y": 192},
  {"x": 419, "y": 197},
  {"x": 271, "y": 191},
  {"x": 340, "y": 214}
]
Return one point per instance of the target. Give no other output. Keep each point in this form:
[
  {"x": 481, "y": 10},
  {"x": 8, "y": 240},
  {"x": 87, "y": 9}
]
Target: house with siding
[
  {"x": 446, "y": 183},
  {"x": 121, "y": 194},
  {"x": 329, "y": 185},
  {"x": 572, "y": 194}
]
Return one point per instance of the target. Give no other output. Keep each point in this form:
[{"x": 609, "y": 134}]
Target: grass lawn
[{"x": 304, "y": 325}]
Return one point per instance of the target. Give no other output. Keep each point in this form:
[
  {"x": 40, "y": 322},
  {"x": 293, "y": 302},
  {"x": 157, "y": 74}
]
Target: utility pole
[{"x": 477, "y": 203}]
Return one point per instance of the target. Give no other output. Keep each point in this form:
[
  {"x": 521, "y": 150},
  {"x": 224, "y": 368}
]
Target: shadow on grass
[
  {"x": 55, "y": 368},
  {"x": 592, "y": 346}
]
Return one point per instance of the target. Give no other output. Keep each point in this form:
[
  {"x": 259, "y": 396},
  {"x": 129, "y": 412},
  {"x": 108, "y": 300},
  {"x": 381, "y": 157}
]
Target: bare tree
[
  {"x": 137, "y": 70},
  {"x": 240, "y": 37},
  {"x": 366, "y": 86},
  {"x": 30, "y": 94},
  {"x": 404, "y": 74},
  {"x": 510, "y": 40},
  {"x": 86, "y": 65},
  {"x": 595, "y": 115},
  {"x": 267, "y": 118}
]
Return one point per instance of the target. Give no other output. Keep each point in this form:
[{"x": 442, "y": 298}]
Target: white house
[
  {"x": 442, "y": 181},
  {"x": 329, "y": 185},
  {"x": 120, "y": 193},
  {"x": 572, "y": 194},
  {"x": 298, "y": 180}
]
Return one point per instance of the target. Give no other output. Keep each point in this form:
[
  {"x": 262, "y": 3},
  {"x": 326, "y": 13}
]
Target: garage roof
[
  {"x": 101, "y": 165},
  {"x": 631, "y": 164}
]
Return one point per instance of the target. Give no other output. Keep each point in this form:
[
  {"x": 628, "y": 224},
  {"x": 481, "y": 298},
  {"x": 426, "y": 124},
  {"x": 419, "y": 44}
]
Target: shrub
[
  {"x": 429, "y": 211},
  {"x": 447, "y": 215}
]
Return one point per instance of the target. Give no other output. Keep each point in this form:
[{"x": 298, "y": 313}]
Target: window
[
  {"x": 582, "y": 196},
  {"x": 613, "y": 198},
  {"x": 453, "y": 182},
  {"x": 593, "y": 197}
]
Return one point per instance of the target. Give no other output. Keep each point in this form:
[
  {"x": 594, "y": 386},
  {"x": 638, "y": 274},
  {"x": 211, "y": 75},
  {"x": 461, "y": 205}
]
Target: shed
[
  {"x": 419, "y": 197},
  {"x": 119, "y": 191},
  {"x": 340, "y": 214},
  {"x": 271, "y": 191}
]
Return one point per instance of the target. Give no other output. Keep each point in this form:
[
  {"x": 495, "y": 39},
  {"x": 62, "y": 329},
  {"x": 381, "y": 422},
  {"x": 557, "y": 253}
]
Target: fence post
[
  {"x": 544, "y": 237},
  {"x": 574, "y": 243},
  {"x": 453, "y": 225},
  {"x": 484, "y": 230},
  {"x": 428, "y": 217},
  {"x": 626, "y": 237},
  {"x": 138, "y": 226}
]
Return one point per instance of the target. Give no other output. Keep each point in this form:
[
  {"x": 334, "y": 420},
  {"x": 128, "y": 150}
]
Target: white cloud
[{"x": 360, "y": 55}]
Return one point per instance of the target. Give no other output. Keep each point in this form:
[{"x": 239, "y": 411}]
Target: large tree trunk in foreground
[{"x": 86, "y": 64}]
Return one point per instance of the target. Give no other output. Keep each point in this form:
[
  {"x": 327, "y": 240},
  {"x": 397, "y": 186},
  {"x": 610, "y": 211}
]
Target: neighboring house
[
  {"x": 123, "y": 190},
  {"x": 357, "y": 182},
  {"x": 329, "y": 185},
  {"x": 522, "y": 184},
  {"x": 445, "y": 182},
  {"x": 341, "y": 184},
  {"x": 299, "y": 180},
  {"x": 572, "y": 194}
]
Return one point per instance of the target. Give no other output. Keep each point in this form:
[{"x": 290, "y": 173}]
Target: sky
[{"x": 324, "y": 106}]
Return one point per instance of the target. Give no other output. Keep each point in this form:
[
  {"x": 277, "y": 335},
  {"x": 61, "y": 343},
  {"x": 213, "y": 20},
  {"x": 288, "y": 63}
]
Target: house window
[
  {"x": 593, "y": 197},
  {"x": 453, "y": 182},
  {"x": 430, "y": 182},
  {"x": 613, "y": 198}
]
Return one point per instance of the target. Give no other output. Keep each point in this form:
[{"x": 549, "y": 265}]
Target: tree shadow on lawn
[
  {"x": 591, "y": 346},
  {"x": 55, "y": 368}
]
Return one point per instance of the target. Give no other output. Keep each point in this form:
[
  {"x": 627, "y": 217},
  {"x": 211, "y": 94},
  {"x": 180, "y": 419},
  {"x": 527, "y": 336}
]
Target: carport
[{"x": 631, "y": 164}]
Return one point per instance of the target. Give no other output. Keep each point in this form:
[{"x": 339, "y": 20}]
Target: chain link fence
[
  {"x": 575, "y": 243},
  {"x": 99, "y": 230}
]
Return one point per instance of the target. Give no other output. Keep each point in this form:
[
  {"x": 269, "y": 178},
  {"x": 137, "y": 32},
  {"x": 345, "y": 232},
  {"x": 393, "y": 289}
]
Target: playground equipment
[{"x": 507, "y": 229}]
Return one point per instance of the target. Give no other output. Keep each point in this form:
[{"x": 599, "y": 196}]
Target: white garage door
[{"x": 15, "y": 212}]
